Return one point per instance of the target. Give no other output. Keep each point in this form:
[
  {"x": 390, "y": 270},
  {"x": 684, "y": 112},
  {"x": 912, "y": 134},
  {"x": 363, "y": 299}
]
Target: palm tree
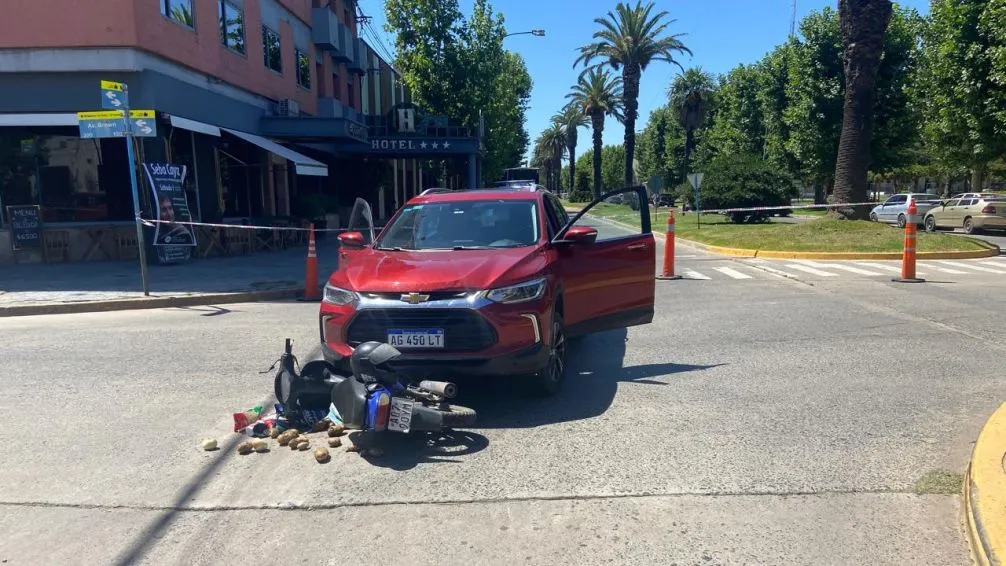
[
  {"x": 571, "y": 118},
  {"x": 553, "y": 141},
  {"x": 629, "y": 40},
  {"x": 863, "y": 23},
  {"x": 598, "y": 93},
  {"x": 691, "y": 96}
]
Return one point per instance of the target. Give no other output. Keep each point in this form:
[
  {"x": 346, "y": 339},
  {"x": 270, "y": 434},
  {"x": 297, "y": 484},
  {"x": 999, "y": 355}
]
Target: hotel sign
[{"x": 410, "y": 145}]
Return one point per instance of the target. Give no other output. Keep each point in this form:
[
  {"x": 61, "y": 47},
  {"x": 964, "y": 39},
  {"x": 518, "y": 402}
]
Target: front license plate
[
  {"x": 400, "y": 417},
  {"x": 416, "y": 338}
]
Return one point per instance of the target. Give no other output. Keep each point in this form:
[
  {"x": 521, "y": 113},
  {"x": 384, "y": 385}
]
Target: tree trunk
[
  {"x": 597, "y": 121},
  {"x": 572, "y": 165},
  {"x": 630, "y": 98},
  {"x": 863, "y": 24},
  {"x": 978, "y": 177},
  {"x": 819, "y": 193},
  {"x": 689, "y": 140}
]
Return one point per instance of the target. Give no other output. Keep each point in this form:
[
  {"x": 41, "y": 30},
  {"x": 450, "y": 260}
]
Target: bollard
[
  {"x": 311, "y": 276},
  {"x": 908, "y": 254},
  {"x": 668, "y": 271}
]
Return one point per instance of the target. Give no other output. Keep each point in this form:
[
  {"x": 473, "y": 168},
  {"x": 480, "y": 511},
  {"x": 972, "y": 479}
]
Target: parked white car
[{"x": 894, "y": 210}]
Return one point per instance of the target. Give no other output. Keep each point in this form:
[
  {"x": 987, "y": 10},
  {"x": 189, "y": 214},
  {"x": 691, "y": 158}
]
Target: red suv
[{"x": 487, "y": 282}]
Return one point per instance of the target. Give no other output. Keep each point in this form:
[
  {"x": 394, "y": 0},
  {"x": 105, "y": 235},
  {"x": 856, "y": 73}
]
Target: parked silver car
[{"x": 895, "y": 208}]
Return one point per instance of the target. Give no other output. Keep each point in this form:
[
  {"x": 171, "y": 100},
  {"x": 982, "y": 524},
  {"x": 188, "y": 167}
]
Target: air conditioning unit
[{"x": 288, "y": 107}]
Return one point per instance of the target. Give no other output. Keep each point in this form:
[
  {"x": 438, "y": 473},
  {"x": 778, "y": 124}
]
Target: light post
[{"x": 534, "y": 32}]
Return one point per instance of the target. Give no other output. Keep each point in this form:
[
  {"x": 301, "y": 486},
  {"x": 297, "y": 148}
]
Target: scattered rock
[
  {"x": 334, "y": 442},
  {"x": 321, "y": 455},
  {"x": 304, "y": 445},
  {"x": 320, "y": 426},
  {"x": 286, "y": 437},
  {"x": 209, "y": 444},
  {"x": 245, "y": 448},
  {"x": 274, "y": 432},
  {"x": 294, "y": 444},
  {"x": 260, "y": 445},
  {"x": 336, "y": 430}
]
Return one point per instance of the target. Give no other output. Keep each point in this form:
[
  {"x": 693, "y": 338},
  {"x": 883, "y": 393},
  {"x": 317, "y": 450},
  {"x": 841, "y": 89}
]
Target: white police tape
[
  {"x": 787, "y": 207},
  {"x": 153, "y": 223}
]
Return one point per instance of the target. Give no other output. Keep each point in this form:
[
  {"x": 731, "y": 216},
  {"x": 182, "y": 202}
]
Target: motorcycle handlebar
[{"x": 444, "y": 388}]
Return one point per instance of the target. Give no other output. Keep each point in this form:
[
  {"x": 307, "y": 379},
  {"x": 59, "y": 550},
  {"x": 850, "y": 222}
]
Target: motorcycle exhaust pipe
[{"x": 445, "y": 388}]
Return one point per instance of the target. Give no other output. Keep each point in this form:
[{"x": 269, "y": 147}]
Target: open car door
[
  {"x": 608, "y": 270},
  {"x": 361, "y": 220}
]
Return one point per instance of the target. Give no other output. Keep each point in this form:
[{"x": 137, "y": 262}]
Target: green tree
[
  {"x": 961, "y": 84},
  {"x": 741, "y": 181},
  {"x": 660, "y": 147},
  {"x": 691, "y": 96},
  {"x": 629, "y": 40},
  {"x": 571, "y": 118},
  {"x": 598, "y": 93},
  {"x": 773, "y": 73},
  {"x": 612, "y": 165},
  {"x": 864, "y": 24},
  {"x": 740, "y": 120}
]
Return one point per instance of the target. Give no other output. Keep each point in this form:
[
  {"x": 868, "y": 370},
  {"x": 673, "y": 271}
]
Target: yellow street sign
[
  {"x": 110, "y": 85},
  {"x": 141, "y": 114},
  {"x": 100, "y": 115}
]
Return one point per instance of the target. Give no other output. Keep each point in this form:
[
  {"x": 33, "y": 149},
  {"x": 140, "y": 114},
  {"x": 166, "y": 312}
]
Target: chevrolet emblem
[{"x": 415, "y": 298}]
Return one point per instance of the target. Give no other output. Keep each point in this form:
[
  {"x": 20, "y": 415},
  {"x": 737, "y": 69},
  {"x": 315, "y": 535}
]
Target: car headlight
[
  {"x": 337, "y": 296},
  {"x": 519, "y": 293}
]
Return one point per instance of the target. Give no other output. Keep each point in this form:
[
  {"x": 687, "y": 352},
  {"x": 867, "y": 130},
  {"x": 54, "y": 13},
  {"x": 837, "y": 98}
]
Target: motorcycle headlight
[
  {"x": 337, "y": 296},
  {"x": 519, "y": 293}
]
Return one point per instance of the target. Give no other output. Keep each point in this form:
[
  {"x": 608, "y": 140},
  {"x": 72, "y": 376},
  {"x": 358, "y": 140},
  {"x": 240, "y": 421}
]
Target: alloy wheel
[{"x": 557, "y": 357}]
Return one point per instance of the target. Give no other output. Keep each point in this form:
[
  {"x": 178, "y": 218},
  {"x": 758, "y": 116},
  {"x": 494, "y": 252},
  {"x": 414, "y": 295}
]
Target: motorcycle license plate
[{"x": 400, "y": 417}]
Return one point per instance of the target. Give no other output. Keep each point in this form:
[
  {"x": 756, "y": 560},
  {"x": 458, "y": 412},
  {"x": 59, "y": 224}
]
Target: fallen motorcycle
[{"x": 375, "y": 397}]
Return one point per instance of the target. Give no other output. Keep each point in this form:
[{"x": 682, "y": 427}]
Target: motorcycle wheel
[{"x": 458, "y": 416}]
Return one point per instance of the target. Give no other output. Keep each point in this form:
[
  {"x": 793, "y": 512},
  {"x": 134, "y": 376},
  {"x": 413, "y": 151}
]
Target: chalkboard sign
[{"x": 25, "y": 226}]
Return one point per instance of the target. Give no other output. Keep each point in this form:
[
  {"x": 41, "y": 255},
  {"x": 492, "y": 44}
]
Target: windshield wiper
[
  {"x": 460, "y": 248},
  {"x": 392, "y": 249}
]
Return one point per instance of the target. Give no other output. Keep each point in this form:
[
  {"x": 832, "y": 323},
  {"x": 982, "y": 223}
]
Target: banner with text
[{"x": 170, "y": 206}]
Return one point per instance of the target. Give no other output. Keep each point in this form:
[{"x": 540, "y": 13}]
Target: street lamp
[{"x": 534, "y": 32}]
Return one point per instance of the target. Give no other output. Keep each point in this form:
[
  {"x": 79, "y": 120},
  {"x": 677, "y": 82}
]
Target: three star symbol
[{"x": 436, "y": 145}]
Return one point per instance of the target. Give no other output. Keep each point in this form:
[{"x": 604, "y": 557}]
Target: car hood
[{"x": 376, "y": 271}]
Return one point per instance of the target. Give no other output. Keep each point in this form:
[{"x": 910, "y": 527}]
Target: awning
[
  {"x": 192, "y": 125},
  {"x": 305, "y": 165},
  {"x": 51, "y": 119}
]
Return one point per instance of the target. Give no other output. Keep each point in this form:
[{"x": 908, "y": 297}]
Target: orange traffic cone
[
  {"x": 908, "y": 254},
  {"x": 311, "y": 292},
  {"x": 668, "y": 271}
]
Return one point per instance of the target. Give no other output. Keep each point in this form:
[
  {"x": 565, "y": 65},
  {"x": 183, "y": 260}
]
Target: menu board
[{"x": 25, "y": 226}]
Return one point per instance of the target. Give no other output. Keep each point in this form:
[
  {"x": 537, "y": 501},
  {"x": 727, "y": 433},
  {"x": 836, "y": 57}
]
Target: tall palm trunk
[
  {"x": 863, "y": 24},
  {"x": 571, "y": 146},
  {"x": 689, "y": 141},
  {"x": 630, "y": 98},
  {"x": 597, "y": 123}
]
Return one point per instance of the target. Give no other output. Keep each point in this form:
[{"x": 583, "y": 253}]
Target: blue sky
[{"x": 720, "y": 33}]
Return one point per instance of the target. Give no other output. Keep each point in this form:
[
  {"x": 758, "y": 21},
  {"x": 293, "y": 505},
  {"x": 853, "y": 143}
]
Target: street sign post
[
  {"x": 696, "y": 181},
  {"x": 118, "y": 121}
]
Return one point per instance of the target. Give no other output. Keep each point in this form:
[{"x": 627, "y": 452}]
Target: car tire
[
  {"x": 930, "y": 224},
  {"x": 969, "y": 226},
  {"x": 902, "y": 220},
  {"x": 873, "y": 217},
  {"x": 548, "y": 380}
]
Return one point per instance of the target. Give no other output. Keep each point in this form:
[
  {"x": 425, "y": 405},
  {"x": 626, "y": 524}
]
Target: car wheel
[
  {"x": 969, "y": 226},
  {"x": 548, "y": 380},
  {"x": 930, "y": 224},
  {"x": 873, "y": 217},
  {"x": 902, "y": 221}
]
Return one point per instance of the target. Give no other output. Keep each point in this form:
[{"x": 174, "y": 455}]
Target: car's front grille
[
  {"x": 436, "y": 296},
  {"x": 464, "y": 330}
]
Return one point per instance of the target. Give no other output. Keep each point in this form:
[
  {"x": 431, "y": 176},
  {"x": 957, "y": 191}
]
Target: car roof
[{"x": 476, "y": 194}]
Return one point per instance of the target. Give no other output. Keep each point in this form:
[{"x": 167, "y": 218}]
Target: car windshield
[{"x": 463, "y": 225}]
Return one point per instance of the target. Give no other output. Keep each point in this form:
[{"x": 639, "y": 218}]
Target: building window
[
  {"x": 336, "y": 87},
  {"x": 178, "y": 10},
  {"x": 232, "y": 26},
  {"x": 303, "y": 69},
  {"x": 349, "y": 93},
  {"x": 272, "y": 57}
]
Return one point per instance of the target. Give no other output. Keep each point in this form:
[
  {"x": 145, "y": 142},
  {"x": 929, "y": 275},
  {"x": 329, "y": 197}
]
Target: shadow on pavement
[
  {"x": 594, "y": 372},
  {"x": 406, "y": 451}
]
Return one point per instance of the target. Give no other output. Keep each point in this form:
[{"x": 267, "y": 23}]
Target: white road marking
[
  {"x": 879, "y": 266},
  {"x": 763, "y": 266},
  {"x": 841, "y": 267},
  {"x": 972, "y": 266},
  {"x": 690, "y": 274},
  {"x": 811, "y": 270},
  {"x": 732, "y": 273}
]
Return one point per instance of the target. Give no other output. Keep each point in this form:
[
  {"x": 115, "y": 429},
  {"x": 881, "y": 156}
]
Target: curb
[
  {"x": 151, "y": 303},
  {"x": 991, "y": 250},
  {"x": 985, "y": 492}
]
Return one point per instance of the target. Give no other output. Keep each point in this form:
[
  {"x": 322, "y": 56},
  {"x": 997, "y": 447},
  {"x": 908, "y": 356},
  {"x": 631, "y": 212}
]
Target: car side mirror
[
  {"x": 579, "y": 235},
  {"x": 352, "y": 240}
]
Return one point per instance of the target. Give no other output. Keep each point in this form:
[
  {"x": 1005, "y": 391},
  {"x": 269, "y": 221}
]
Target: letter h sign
[{"x": 406, "y": 120}]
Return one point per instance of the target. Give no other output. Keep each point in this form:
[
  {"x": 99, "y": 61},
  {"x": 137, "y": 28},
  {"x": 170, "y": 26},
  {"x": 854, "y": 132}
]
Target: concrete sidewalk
[{"x": 91, "y": 286}]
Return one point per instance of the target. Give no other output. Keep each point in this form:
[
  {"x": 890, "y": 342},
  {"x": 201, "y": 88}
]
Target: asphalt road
[{"x": 762, "y": 420}]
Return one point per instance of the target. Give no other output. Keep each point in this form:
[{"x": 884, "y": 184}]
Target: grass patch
[
  {"x": 821, "y": 235},
  {"x": 810, "y": 212},
  {"x": 939, "y": 482}
]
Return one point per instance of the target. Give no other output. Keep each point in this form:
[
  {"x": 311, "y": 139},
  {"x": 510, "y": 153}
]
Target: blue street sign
[
  {"x": 113, "y": 97},
  {"x": 110, "y": 124}
]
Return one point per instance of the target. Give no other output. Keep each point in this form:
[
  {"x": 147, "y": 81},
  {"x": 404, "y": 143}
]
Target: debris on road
[
  {"x": 321, "y": 455},
  {"x": 245, "y": 419},
  {"x": 334, "y": 442},
  {"x": 245, "y": 448},
  {"x": 209, "y": 444},
  {"x": 336, "y": 429},
  {"x": 260, "y": 445}
]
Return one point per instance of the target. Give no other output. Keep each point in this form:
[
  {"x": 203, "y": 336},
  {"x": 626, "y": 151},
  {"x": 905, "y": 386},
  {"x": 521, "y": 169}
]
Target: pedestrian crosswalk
[{"x": 754, "y": 269}]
